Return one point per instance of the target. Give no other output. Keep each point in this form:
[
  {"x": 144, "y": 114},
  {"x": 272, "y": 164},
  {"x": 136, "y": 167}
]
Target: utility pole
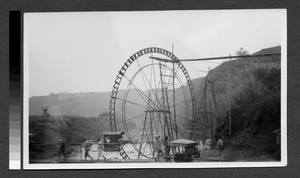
[
  {"x": 210, "y": 109},
  {"x": 211, "y": 122},
  {"x": 229, "y": 114},
  {"x": 174, "y": 104},
  {"x": 214, "y": 101},
  {"x": 205, "y": 110}
]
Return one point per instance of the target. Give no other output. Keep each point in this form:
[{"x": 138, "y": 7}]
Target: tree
[
  {"x": 241, "y": 52},
  {"x": 104, "y": 115}
]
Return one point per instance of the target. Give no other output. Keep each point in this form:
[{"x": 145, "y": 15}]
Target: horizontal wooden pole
[{"x": 214, "y": 58}]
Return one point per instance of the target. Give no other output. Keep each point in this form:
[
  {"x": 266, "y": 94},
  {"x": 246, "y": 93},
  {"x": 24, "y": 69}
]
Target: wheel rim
[{"x": 154, "y": 108}]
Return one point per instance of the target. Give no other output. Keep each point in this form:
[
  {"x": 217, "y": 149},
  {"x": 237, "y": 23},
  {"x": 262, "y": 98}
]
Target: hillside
[
  {"x": 250, "y": 89},
  {"x": 84, "y": 104},
  {"x": 233, "y": 76},
  {"x": 272, "y": 50},
  {"x": 81, "y": 104},
  {"x": 45, "y": 133}
]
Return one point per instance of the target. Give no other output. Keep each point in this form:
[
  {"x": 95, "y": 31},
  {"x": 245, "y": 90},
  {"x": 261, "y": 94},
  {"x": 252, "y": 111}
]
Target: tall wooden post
[
  {"x": 174, "y": 104},
  {"x": 229, "y": 114},
  {"x": 211, "y": 122},
  {"x": 205, "y": 110}
]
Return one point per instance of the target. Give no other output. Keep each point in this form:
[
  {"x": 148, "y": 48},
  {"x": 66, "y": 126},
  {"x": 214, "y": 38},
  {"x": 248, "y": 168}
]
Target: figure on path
[
  {"x": 62, "y": 150},
  {"x": 167, "y": 149},
  {"x": 100, "y": 149},
  {"x": 157, "y": 148},
  {"x": 278, "y": 149},
  {"x": 87, "y": 147},
  {"x": 220, "y": 145}
]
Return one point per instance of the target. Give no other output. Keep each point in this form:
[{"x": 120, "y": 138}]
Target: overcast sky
[{"x": 83, "y": 51}]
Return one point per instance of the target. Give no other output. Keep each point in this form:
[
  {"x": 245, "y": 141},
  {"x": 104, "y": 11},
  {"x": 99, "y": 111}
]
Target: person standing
[
  {"x": 87, "y": 147},
  {"x": 107, "y": 140},
  {"x": 62, "y": 150},
  {"x": 278, "y": 149},
  {"x": 157, "y": 148},
  {"x": 167, "y": 149},
  {"x": 220, "y": 145},
  {"x": 100, "y": 149}
]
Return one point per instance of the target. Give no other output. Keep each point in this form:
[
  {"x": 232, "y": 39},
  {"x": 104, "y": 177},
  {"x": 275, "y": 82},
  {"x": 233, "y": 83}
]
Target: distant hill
[
  {"x": 94, "y": 103},
  {"x": 84, "y": 104},
  {"x": 272, "y": 50}
]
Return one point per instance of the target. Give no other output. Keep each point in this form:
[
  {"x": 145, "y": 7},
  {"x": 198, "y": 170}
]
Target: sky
[{"x": 83, "y": 51}]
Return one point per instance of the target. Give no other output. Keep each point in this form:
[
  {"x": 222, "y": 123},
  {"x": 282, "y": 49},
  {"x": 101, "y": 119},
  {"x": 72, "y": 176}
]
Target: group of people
[
  {"x": 87, "y": 144},
  {"x": 161, "y": 148},
  {"x": 87, "y": 147}
]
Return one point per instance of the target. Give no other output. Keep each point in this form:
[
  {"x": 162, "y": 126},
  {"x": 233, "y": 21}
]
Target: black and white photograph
[{"x": 155, "y": 89}]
